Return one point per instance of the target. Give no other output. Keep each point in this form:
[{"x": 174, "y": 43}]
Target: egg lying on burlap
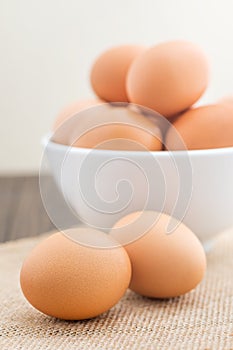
[
  {"x": 76, "y": 275},
  {"x": 167, "y": 258}
]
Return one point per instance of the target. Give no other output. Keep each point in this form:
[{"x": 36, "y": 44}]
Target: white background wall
[{"x": 47, "y": 47}]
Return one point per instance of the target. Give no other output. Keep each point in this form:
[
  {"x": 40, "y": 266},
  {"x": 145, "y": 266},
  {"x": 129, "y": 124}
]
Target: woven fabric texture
[{"x": 202, "y": 319}]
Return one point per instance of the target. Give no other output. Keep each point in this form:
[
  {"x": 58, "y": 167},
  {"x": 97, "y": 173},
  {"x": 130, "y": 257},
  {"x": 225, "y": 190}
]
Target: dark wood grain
[{"x": 21, "y": 209}]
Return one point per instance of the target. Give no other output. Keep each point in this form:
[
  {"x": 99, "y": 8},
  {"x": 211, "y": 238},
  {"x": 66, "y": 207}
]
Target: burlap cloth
[{"x": 202, "y": 319}]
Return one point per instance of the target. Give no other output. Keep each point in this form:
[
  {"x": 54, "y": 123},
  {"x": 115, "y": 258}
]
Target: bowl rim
[{"x": 46, "y": 141}]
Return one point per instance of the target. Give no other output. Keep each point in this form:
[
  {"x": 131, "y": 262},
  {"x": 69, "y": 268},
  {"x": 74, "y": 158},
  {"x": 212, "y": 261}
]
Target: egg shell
[
  {"x": 72, "y": 109},
  {"x": 119, "y": 137},
  {"x": 110, "y": 127},
  {"x": 70, "y": 280},
  {"x": 168, "y": 77},
  {"x": 163, "y": 265},
  {"x": 204, "y": 127},
  {"x": 108, "y": 74}
]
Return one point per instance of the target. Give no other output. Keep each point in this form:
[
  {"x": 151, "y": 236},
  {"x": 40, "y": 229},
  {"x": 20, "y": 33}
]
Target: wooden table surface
[{"x": 21, "y": 209}]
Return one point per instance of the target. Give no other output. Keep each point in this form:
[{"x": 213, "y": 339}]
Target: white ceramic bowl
[{"x": 103, "y": 185}]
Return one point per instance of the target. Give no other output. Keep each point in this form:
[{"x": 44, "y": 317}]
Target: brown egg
[
  {"x": 168, "y": 77},
  {"x": 163, "y": 265},
  {"x": 119, "y": 137},
  {"x": 202, "y": 128},
  {"x": 110, "y": 127},
  {"x": 74, "y": 108},
  {"x": 108, "y": 74},
  {"x": 75, "y": 276}
]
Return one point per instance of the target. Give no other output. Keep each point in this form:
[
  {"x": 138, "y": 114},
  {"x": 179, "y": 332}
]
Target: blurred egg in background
[{"x": 47, "y": 67}]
